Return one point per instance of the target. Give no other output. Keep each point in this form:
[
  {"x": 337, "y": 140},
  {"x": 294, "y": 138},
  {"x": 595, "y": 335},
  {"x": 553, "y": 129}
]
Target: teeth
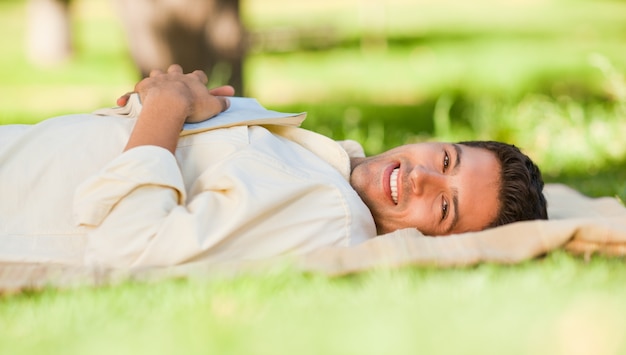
[{"x": 393, "y": 183}]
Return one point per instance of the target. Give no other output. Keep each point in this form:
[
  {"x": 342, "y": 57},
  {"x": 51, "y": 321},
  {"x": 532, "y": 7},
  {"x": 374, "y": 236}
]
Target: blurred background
[{"x": 545, "y": 75}]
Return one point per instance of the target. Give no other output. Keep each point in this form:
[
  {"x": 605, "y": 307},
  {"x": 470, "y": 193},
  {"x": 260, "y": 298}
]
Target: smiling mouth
[{"x": 393, "y": 185}]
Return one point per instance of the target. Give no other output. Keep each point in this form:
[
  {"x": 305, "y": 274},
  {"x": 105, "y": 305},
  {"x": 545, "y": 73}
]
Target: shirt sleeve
[
  {"x": 138, "y": 167},
  {"x": 123, "y": 205}
]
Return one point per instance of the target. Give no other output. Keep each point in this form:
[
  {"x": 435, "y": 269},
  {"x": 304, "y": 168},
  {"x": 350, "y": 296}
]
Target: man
[{"x": 117, "y": 192}]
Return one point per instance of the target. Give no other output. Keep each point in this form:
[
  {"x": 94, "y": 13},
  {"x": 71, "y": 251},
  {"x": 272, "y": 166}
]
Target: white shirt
[{"x": 70, "y": 195}]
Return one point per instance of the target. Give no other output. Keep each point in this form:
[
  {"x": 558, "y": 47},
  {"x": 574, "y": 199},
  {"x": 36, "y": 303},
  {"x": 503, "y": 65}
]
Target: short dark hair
[{"x": 521, "y": 185}]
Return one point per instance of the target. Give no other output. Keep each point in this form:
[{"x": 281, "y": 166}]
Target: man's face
[{"x": 438, "y": 188}]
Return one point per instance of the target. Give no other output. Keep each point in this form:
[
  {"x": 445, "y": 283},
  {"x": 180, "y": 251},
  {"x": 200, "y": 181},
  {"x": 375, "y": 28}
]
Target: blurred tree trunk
[
  {"x": 197, "y": 34},
  {"x": 48, "y": 40}
]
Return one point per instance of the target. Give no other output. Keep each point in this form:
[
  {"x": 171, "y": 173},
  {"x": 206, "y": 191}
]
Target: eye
[
  {"x": 444, "y": 208},
  {"x": 446, "y": 160}
]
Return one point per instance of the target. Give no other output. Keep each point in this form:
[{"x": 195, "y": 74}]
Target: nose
[{"x": 424, "y": 180}]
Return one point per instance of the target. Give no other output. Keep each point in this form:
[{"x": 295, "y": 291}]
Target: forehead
[
  {"x": 478, "y": 184},
  {"x": 419, "y": 147}
]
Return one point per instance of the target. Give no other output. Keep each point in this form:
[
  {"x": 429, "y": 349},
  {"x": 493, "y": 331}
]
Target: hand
[
  {"x": 169, "y": 99},
  {"x": 220, "y": 92}
]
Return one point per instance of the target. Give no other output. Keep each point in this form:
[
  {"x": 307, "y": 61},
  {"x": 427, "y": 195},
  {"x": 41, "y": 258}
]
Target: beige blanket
[{"x": 577, "y": 224}]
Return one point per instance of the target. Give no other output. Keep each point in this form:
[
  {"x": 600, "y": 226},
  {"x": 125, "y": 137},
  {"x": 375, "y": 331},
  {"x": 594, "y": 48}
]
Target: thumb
[
  {"x": 123, "y": 100},
  {"x": 225, "y": 90}
]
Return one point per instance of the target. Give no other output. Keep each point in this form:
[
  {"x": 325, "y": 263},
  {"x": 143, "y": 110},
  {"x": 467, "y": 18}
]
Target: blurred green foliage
[{"x": 546, "y": 75}]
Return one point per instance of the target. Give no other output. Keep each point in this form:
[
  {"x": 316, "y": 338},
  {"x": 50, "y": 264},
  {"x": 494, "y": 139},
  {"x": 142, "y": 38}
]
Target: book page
[{"x": 245, "y": 111}]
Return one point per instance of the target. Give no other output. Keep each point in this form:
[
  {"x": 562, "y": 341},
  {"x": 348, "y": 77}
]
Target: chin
[{"x": 380, "y": 230}]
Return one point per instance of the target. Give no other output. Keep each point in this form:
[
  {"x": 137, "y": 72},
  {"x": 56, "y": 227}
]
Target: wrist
[{"x": 160, "y": 122}]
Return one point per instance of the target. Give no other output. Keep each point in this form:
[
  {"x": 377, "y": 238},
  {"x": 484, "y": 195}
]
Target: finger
[
  {"x": 123, "y": 100},
  {"x": 175, "y": 68},
  {"x": 225, "y": 90},
  {"x": 201, "y": 75},
  {"x": 212, "y": 110},
  {"x": 155, "y": 72}
]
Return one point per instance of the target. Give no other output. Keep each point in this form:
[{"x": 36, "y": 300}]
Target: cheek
[
  {"x": 425, "y": 217},
  {"x": 414, "y": 216}
]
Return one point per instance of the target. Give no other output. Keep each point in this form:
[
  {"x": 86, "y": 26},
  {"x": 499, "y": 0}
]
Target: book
[{"x": 243, "y": 111}]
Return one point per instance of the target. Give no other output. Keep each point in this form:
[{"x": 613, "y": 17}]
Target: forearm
[{"x": 159, "y": 122}]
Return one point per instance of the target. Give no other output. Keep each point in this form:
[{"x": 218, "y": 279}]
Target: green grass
[
  {"x": 555, "y": 305},
  {"x": 546, "y": 75}
]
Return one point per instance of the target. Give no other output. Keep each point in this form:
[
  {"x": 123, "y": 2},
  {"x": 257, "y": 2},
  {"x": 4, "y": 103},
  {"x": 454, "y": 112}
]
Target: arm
[
  {"x": 247, "y": 206},
  {"x": 123, "y": 203}
]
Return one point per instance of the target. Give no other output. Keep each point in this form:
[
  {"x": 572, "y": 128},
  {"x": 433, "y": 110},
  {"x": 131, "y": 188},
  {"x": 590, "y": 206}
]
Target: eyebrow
[{"x": 455, "y": 192}]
